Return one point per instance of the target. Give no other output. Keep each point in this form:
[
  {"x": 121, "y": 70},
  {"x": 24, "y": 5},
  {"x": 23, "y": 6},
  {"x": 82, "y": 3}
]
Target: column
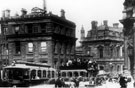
[{"x": 125, "y": 53}]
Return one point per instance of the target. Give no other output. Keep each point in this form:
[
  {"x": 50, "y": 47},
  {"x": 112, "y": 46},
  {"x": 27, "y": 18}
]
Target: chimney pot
[
  {"x": 24, "y": 11},
  {"x": 94, "y": 24},
  {"x": 7, "y": 13},
  {"x": 105, "y": 23},
  {"x": 62, "y": 13},
  {"x": 116, "y": 25}
]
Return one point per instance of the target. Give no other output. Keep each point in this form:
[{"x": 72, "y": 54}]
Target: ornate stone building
[
  {"x": 37, "y": 37},
  {"x": 104, "y": 44}
]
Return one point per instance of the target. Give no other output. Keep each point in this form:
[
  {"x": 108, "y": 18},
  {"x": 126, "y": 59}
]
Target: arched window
[
  {"x": 111, "y": 51},
  {"x": 44, "y": 73},
  {"x": 76, "y": 74},
  {"x": 82, "y": 74},
  {"x": 63, "y": 31},
  {"x": 39, "y": 73},
  {"x": 33, "y": 74},
  {"x": 70, "y": 74},
  {"x": 112, "y": 68},
  {"x": 57, "y": 29},
  {"x": 118, "y": 51},
  {"x": 118, "y": 68},
  {"x": 62, "y": 48},
  {"x": 49, "y": 75},
  {"x": 100, "y": 48},
  {"x": 63, "y": 74}
]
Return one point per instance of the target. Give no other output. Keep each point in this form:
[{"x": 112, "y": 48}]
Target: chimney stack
[
  {"x": 94, "y": 24},
  {"x": 62, "y": 13},
  {"x": 24, "y": 12},
  {"x": 7, "y": 13},
  {"x": 116, "y": 25},
  {"x": 105, "y": 23},
  {"x": 3, "y": 13}
]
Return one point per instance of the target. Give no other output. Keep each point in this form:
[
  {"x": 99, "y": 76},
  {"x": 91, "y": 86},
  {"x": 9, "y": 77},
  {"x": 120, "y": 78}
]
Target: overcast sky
[{"x": 81, "y": 12}]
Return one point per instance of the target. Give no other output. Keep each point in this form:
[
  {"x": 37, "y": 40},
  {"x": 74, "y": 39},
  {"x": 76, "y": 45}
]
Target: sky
[{"x": 81, "y": 12}]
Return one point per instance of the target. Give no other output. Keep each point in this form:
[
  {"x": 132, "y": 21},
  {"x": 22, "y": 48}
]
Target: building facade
[
  {"x": 37, "y": 37},
  {"x": 104, "y": 44}
]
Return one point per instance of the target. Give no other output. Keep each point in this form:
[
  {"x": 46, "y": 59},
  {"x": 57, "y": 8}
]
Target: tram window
[
  {"x": 33, "y": 74},
  {"x": 44, "y": 73},
  {"x": 82, "y": 74},
  {"x": 52, "y": 74},
  {"x": 49, "y": 74},
  {"x": 39, "y": 73},
  {"x": 63, "y": 74},
  {"x": 6, "y": 74},
  {"x": 70, "y": 74},
  {"x": 26, "y": 74},
  {"x": 75, "y": 74}
]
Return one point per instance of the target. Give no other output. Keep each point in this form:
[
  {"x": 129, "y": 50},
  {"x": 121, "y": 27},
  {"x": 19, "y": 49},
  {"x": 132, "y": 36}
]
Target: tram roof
[
  {"x": 74, "y": 70},
  {"x": 18, "y": 66},
  {"x": 25, "y": 66}
]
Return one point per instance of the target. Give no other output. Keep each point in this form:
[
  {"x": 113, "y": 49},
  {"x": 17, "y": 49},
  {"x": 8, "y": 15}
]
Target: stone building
[
  {"x": 37, "y": 37},
  {"x": 104, "y": 44}
]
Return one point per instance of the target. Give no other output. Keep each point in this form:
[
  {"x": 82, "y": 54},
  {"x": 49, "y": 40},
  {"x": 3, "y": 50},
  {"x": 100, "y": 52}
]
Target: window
[
  {"x": 72, "y": 51},
  {"x": 39, "y": 73},
  {"x": 5, "y": 29},
  {"x": 43, "y": 28},
  {"x": 53, "y": 74},
  {"x": 29, "y": 28},
  {"x": 43, "y": 46},
  {"x": 17, "y": 48},
  {"x": 30, "y": 47},
  {"x": 49, "y": 75},
  {"x": 111, "y": 51},
  {"x": 57, "y": 30},
  {"x": 0, "y": 29},
  {"x": 35, "y": 29},
  {"x": 56, "y": 48},
  {"x": 33, "y": 74},
  {"x": 44, "y": 73},
  {"x": 100, "y": 51},
  {"x": 62, "y": 48}
]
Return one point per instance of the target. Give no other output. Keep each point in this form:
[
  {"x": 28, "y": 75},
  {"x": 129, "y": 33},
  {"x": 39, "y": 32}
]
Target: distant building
[
  {"x": 103, "y": 44},
  {"x": 37, "y": 37}
]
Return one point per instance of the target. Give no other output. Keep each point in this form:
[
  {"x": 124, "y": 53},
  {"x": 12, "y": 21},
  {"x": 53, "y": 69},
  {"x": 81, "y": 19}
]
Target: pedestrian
[
  {"x": 76, "y": 81},
  {"x": 58, "y": 83},
  {"x": 63, "y": 82},
  {"x": 123, "y": 82}
]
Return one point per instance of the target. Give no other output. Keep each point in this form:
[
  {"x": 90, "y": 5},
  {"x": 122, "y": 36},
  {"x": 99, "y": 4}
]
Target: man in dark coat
[
  {"x": 59, "y": 83},
  {"x": 123, "y": 82}
]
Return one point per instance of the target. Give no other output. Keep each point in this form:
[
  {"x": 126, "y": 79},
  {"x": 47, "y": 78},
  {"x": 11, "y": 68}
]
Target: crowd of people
[
  {"x": 60, "y": 82},
  {"x": 79, "y": 64}
]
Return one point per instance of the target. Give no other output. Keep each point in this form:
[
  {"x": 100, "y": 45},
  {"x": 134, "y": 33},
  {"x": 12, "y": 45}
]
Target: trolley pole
[{"x": 134, "y": 50}]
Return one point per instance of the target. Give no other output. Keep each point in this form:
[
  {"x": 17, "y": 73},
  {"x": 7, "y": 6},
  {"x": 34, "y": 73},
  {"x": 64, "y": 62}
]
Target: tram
[{"x": 27, "y": 74}]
